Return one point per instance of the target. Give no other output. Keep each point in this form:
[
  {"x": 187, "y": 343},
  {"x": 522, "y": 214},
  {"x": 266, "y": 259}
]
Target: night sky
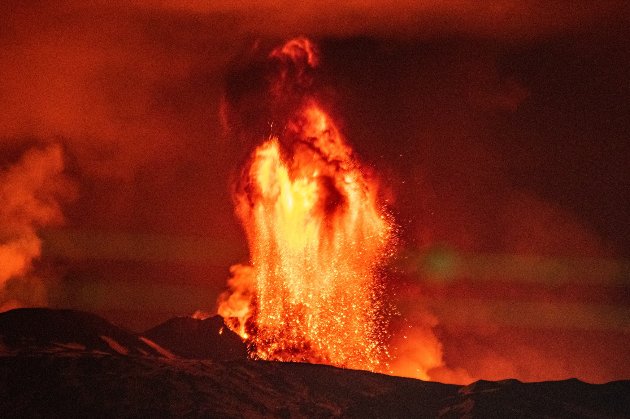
[{"x": 498, "y": 132}]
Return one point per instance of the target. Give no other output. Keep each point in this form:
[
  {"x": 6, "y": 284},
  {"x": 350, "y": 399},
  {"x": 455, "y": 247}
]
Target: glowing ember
[{"x": 317, "y": 238}]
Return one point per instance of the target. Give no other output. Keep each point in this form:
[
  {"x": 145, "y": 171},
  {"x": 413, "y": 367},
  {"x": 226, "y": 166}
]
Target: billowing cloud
[{"x": 31, "y": 191}]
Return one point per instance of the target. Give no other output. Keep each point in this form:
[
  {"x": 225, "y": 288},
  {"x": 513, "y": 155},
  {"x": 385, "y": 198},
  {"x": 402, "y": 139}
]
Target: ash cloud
[
  {"x": 31, "y": 192},
  {"x": 484, "y": 153},
  {"x": 133, "y": 98}
]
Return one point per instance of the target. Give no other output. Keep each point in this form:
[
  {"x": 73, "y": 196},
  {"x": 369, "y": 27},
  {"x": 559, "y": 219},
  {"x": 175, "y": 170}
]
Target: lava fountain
[{"x": 317, "y": 238}]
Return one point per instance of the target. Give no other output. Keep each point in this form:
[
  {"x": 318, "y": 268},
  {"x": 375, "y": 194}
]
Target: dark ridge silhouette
[
  {"x": 198, "y": 339},
  {"x": 58, "y": 363},
  {"x": 44, "y": 329},
  {"x": 87, "y": 385}
]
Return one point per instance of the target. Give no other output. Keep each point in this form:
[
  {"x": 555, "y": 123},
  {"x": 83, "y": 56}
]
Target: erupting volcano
[{"x": 317, "y": 236}]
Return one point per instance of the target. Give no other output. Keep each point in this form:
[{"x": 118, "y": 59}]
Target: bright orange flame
[
  {"x": 317, "y": 238},
  {"x": 296, "y": 50}
]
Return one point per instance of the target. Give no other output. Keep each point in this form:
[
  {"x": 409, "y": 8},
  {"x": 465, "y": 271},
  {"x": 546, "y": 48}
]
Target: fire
[{"x": 317, "y": 237}]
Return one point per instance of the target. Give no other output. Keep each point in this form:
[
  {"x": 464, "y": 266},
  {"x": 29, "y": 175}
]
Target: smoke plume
[{"x": 31, "y": 191}]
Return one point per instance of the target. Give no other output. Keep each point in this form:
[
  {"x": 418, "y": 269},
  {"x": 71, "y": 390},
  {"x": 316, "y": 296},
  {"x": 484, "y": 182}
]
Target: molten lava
[{"x": 317, "y": 238}]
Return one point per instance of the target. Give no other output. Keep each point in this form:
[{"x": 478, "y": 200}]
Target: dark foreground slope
[
  {"x": 61, "y": 363},
  {"x": 192, "y": 338},
  {"x": 90, "y": 385},
  {"x": 115, "y": 386}
]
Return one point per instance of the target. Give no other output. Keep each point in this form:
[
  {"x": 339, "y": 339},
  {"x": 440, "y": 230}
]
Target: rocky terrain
[{"x": 61, "y": 363}]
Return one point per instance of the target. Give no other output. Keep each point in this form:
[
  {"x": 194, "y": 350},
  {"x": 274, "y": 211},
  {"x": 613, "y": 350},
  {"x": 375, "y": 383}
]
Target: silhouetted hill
[
  {"x": 198, "y": 339},
  {"x": 64, "y": 363},
  {"x": 48, "y": 330},
  {"x": 558, "y": 399}
]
